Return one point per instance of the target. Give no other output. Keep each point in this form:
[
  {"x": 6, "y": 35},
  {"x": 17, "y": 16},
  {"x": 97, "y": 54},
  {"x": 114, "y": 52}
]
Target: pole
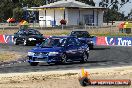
[
  {"x": 46, "y": 2},
  {"x": 62, "y": 26}
]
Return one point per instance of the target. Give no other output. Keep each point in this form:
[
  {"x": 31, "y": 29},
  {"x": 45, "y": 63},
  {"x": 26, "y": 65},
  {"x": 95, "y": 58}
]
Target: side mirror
[{"x": 74, "y": 35}]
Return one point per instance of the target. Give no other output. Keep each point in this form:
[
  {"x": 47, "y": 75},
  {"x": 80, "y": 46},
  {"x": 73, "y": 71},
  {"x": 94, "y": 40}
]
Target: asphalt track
[{"x": 101, "y": 56}]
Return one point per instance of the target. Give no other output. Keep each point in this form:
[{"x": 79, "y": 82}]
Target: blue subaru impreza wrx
[{"x": 59, "y": 49}]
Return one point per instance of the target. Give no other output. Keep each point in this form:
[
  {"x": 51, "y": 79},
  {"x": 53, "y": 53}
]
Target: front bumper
[{"x": 45, "y": 59}]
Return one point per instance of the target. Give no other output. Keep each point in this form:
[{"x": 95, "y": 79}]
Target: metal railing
[{"x": 103, "y": 29}]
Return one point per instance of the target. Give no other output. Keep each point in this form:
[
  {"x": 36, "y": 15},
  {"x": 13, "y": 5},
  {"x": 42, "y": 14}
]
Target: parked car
[
  {"x": 28, "y": 36},
  {"x": 59, "y": 50},
  {"x": 84, "y": 37}
]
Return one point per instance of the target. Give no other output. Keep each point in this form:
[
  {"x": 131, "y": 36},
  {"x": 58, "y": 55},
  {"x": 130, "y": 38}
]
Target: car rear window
[
  {"x": 80, "y": 34},
  {"x": 32, "y": 32}
]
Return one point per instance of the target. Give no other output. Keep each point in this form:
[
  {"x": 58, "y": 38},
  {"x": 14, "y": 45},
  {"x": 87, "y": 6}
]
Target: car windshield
[
  {"x": 33, "y": 32},
  {"x": 53, "y": 42},
  {"x": 80, "y": 34}
]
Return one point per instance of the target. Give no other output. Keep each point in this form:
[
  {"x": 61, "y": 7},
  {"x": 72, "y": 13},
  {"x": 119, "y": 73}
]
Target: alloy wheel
[
  {"x": 64, "y": 58},
  {"x": 15, "y": 41},
  {"x": 25, "y": 42}
]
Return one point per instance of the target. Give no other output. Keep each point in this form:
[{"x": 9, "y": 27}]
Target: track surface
[{"x": 101, "y": 56}]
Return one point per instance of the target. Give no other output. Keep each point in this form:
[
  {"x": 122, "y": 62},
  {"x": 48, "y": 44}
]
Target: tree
[
  {"x": 90, "y": 2},
  {"x": 130, "y": 15},
  {"x": 6, "y": 9},
  {"x": 17, "y": 13},
  {"x": 15, "y": 1},
  {"x": 115, "y": 4},
  {"x": 10, "y": 8},
  {"x": 113, "y": 9}
]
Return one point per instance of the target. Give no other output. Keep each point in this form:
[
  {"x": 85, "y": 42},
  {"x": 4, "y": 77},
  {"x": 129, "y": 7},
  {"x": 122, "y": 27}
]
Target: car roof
[
  {"x": 62, "y": 37},
  {"x": 79, "y": 31},
  {"x": 28, "y": 29}
]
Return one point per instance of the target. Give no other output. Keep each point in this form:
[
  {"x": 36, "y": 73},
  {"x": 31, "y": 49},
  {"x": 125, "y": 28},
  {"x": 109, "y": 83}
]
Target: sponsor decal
[
  {"x": 124, "y": 41},
  {"x": 101, "y": 41},
  {"x": 6, "y": 39},
  {"x": 114, "y": 41},
  {"x": 2, "y": 40},
  {"x": 110, "y": 41},
  {"x": 85, "y": 80}
]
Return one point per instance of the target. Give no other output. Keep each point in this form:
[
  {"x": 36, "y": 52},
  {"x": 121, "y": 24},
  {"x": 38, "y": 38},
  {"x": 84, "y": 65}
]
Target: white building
[{"x": 72, "y": 11}]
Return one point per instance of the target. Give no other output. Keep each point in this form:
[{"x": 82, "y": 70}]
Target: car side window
[
  {"x": 85, "y": 34},
  {"x": 74, "y": 34},
  {"x": 20, "y": 32},
  {"x": 34, "y": 32},
  {"x": 37, "y": 32},
  {"x": 30, "y": 32}
]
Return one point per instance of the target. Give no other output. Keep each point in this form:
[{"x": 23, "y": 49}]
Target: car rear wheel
[
  {"x": 33, "y": 63},
  {"x": 91, "y": 47},
  {"x": 64, "y": 58},
  {"x": 15, "y": 41},
  {"x": 85, "y": 57}
]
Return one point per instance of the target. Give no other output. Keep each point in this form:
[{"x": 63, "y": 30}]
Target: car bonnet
[{"x": 51, "y": 49}]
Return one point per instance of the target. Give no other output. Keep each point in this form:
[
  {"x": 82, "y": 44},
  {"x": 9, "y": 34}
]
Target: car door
[
  {"x": 80, "y": 50},
  {"x": 71, "y": 49},
  {"x": 19, "y": 35},
  {"x": 22, "y": 35}
]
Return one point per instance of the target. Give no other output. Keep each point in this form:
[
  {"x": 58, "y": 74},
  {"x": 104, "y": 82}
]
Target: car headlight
[
  {"x": 30, "y": 53},
  {"x": 53, "y": 53},
  {"x": 91, "y": 41},
  {"x": 30, "y": 39}
]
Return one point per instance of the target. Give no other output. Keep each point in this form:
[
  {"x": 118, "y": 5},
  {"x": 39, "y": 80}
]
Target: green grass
[
  {"x": 6, "y": 56},
  {"x": 96, "y": 32}
]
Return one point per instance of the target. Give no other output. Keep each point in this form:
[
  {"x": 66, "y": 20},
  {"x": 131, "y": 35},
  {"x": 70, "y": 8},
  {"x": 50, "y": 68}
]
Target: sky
[{"x": 126, "y": 8}]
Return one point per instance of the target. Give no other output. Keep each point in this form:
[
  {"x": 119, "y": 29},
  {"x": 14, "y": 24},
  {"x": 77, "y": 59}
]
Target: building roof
[{"x": 67, "y": 4}]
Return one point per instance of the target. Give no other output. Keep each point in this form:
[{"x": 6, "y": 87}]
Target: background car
[
  {"x": 28, "y": 36},
  {"x": 59, "y": 49},
  {"x": 84, "y": 37}
]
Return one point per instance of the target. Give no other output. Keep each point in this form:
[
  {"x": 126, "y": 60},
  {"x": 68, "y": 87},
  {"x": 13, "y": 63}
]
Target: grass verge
[
  {"x": 6, "y": 56},
  {"x": 97, "y": 32}
]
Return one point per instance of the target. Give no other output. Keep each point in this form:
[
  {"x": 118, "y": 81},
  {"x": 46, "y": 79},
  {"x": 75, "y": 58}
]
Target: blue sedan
[{"x": 59, "y": 49}]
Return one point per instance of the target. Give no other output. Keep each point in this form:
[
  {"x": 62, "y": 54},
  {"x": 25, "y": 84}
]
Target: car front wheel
[
  {"x": 64, "y": 58},
  {"x": 15, "y": 41},
  {"x": 25, "y": 43},
  {"x": 85, "y": 57}
]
